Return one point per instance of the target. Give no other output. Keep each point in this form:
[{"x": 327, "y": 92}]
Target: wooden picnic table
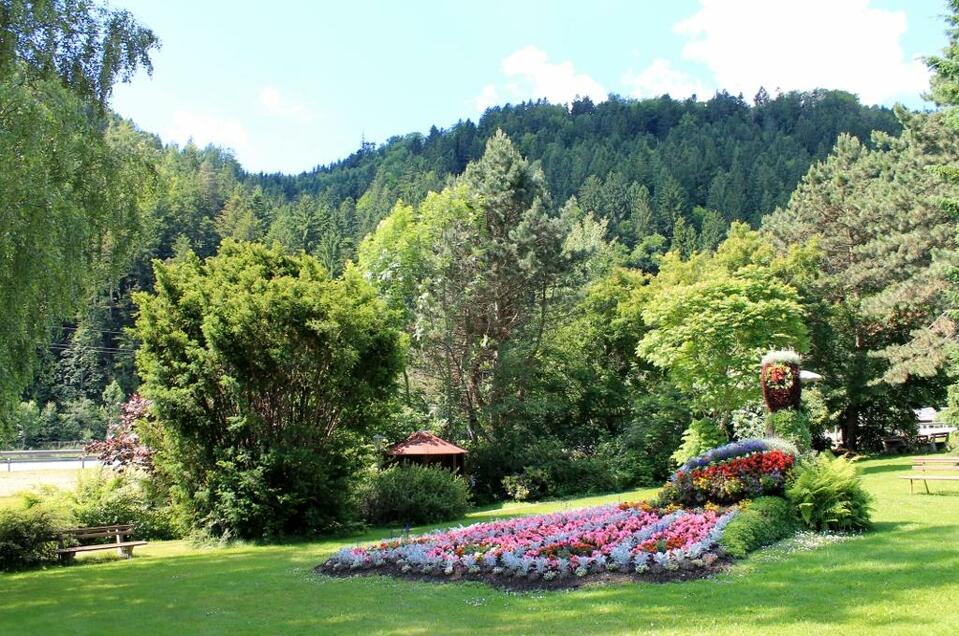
[{"x": 931, "y": 468}]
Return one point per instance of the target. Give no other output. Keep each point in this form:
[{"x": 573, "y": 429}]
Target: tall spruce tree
[
  {"x": 885, "y": 245},
  {"x": 944, "y": 91}
]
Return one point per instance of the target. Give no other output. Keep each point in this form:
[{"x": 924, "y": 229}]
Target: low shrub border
[{"x": 760, "y": 522}]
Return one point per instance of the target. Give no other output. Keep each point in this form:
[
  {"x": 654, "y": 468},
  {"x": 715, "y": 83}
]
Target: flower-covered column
[{"x": 779, "y": 379}]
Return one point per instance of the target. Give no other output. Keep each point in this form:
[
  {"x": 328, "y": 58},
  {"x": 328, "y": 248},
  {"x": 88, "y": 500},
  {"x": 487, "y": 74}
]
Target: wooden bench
[
  {"x": 123, "y": 547},
  {"x": 928, "y": 469},
  {"x": 935, "y": 461},
  {"x": 932, "y": 440}
]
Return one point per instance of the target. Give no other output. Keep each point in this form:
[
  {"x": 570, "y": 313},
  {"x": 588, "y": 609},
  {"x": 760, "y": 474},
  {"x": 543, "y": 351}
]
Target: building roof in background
[
  {"x": 424, "y": 443},
  {"x": 927, "y": 414}
]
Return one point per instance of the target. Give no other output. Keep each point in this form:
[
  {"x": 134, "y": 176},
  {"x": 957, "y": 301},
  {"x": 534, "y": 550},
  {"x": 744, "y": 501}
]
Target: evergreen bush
[
  {"x": 414, "y": 494},
  {"x": 267, "y": 378},
  {"x": 761, "y": 522}
]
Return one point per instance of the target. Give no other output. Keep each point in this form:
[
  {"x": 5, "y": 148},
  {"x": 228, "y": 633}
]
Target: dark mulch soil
[{"x": 521, "y": 584}]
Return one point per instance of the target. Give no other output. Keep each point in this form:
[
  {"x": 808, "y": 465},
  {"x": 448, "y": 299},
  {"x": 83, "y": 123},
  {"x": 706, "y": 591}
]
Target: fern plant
[{"x": 828, "y": 495}]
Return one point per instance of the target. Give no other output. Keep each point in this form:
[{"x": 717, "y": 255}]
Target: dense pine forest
[{"x": 647, "y": 161}]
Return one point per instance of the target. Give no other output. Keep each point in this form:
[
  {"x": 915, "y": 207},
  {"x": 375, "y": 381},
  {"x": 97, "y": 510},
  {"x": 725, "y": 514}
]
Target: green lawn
[
  {"x": 901, "y": 579},
  {"x": 18, "y": 480}
]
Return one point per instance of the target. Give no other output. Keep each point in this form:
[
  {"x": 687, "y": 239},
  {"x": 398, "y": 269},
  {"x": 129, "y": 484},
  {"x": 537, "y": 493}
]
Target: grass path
[{"x": 903, "y": 578}]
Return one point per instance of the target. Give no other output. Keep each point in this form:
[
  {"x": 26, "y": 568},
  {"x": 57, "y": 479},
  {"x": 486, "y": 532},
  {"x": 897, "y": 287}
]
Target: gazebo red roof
[{"x": 424, "y": 443}]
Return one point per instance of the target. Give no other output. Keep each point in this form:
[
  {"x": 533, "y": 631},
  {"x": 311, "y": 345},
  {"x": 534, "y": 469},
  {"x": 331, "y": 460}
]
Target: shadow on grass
[{"x": 904, "y": 467}]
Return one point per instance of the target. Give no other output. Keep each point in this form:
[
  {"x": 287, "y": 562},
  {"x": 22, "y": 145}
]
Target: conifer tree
[{"x": 684, "y": 238}]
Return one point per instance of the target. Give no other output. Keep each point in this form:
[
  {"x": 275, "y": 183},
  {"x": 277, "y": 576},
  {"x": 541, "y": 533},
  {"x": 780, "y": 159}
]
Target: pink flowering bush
[
  {"x": 611, "y": 538},
  {"x": 123, "y": 448}
]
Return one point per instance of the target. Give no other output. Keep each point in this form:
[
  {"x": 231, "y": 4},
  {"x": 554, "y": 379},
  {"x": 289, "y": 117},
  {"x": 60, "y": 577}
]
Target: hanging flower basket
[{"x": 780, "y": 384}]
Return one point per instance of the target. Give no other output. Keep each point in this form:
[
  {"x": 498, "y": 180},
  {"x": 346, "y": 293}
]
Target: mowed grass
[
  {"x": 17, "y": 481},
  {"x": 903, "y": 578}
]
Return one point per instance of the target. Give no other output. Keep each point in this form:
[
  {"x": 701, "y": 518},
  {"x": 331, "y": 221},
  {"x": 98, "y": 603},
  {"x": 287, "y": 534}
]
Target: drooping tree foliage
[
  {"x": 88, "y": 47},
  {"x": 71, "y": 183},
  {"x": 711, "y": 317},
  {"x": 266, "y": 377}
]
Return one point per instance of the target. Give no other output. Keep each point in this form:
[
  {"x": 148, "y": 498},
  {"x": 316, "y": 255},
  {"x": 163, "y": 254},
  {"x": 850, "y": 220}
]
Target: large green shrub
[
  {"x": 762, "y": 522},
  {"x": 266, "y": 377},
  {"x": 414, "y": 494},
  {"x": 828, "y": 494},
  {"x": 701, "y": 435},
  {"x": 791, "y": 425},
  {"x": 27, "y": 537},
  {"x": 107, "y": 498}
]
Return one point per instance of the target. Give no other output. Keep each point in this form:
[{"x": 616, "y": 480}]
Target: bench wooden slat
[
  {"x": 114, "y": 529},
  {"x": 97, "y": 535},
  {"x": 100, "y": 546},
  {"x": 91, "y": 528},
  {"x": 922, "y": 467},
  {"x": 930, "y": 477}
]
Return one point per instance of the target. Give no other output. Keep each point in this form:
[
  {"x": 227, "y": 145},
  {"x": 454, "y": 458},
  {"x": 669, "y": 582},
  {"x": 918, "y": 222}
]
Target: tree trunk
[{"x": 850, "y": 427}]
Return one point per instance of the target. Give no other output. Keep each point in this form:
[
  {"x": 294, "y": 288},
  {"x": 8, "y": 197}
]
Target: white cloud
[
  {"x": 278, "y": 105},
  {"x": 662, "y": 78},
  {"x": 487, "y": 97},
  {"x": 844, "y": 44},
  {"x": 206, "y": 129},
  {"x": 531, "y": 75}
]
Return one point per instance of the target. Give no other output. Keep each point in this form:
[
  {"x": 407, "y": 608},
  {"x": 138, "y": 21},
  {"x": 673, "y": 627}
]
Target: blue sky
[{"x": 292, "y": 84}]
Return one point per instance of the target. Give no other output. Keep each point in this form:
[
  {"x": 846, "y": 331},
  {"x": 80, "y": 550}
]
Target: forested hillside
[
  {"x": 639, "y": 163},
  {"x": 662, "y": 173}
]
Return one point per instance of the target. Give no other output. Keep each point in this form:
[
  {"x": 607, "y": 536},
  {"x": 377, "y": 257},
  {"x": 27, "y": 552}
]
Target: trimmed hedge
[
  {"x": 764, "y": 521},
  {"x": 415, "y": 494}
]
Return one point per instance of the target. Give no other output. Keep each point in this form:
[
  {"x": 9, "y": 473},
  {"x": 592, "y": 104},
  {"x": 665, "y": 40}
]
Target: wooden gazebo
[{"x": 422, "y": 447}]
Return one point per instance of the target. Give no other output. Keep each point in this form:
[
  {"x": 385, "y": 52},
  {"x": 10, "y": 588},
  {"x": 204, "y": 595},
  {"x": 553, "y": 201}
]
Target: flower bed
[
  {"x": 628, "y": 538},
  {"x": 762, "y": 472},
  {"x": 738, "y": 449}
]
